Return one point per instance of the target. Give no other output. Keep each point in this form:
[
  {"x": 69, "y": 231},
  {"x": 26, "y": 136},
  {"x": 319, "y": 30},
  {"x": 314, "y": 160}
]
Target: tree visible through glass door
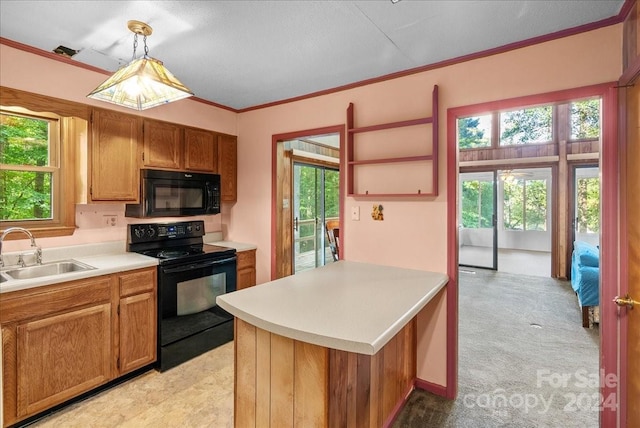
[{"x": 315, "y": 201}]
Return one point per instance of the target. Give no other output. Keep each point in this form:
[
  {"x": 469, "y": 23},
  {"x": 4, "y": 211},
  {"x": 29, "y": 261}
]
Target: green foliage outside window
[
  {"x": 25, "y": 194},
  {"x": 526, "y": 126},
  {"x": 477, "y": 204},
  {"x": 525, "y": 204},
  {"x": 309, "y": 200},
  {"x": 471, "y": 134},
  {"x": 588, "y": 205},
  {"x": 585, "y": 119}
]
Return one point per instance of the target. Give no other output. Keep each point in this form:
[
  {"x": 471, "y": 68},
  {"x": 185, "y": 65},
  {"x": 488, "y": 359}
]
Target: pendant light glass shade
[{"x": 143, "y": 83}]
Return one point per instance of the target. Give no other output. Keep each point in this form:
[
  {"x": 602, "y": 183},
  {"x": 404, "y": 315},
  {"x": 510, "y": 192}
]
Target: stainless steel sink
[{"x": 47, "y": 269}]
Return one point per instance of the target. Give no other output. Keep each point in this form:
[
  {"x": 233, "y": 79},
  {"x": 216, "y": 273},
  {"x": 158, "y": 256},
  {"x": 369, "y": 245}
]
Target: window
[
  {"x": 585, "y": 119},
  {"x": 588, "y": 205},
  {"x": 29, "y": 169},
  {"x": 477, "y": 204},
  {"x": 525, "y": 204},
  {"x": 474, "y": 132},
  {"x": 526, "y": 126}
]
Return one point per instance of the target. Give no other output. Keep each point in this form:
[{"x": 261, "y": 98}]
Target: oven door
[{"x": 191, "y": 288}]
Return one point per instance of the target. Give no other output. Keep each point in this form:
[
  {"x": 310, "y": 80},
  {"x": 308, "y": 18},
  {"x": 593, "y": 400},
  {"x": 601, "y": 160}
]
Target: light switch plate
[{"x": 355, "y": 213}]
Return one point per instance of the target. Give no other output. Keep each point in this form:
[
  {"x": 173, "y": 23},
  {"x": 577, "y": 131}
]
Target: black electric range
[{"x": 191, "y": 275}]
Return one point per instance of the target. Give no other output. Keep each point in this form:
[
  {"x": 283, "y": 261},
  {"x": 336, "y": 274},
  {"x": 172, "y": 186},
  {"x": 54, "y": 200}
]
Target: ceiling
[{"x": 242, "y": 54}]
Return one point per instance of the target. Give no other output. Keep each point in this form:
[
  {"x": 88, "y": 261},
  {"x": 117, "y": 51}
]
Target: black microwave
[{"x": 176, "y": 194}]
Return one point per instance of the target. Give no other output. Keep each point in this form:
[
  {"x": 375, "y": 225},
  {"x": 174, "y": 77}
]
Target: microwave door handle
[{"x": 198, "y": 265}]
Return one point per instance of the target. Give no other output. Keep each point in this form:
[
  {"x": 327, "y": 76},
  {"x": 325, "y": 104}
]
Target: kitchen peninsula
[{"x": 328, "y": 346}]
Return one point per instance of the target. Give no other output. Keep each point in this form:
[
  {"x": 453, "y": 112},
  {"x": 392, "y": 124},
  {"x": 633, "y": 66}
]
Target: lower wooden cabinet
[
  {"x": 138, "y": 320},
  {"x": 246, "y": 269},
  {"x": 62, "y": 356},
  {"x": 62, "y": 340}
]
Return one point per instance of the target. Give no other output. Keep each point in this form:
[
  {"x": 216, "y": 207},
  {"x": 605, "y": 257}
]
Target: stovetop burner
[
  {"x": 174, "y": 242},
  {"x": 172, "y": 253}
]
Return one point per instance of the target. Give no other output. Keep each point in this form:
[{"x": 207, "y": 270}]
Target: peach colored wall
[
  {"x": 413, "y": 233},
  {"x": 34, "y": 73}
]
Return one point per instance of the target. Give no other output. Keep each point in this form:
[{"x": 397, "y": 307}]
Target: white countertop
[
  {"x": 107, "y": 258},
  {"x": 239, "y": 246},
  {"x": 106, "y": 263},
  {"x": 350, "y": 306}
]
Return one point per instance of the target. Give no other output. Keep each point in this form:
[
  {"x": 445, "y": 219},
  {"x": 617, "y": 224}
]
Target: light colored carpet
[{"x": 524, "y": 359}]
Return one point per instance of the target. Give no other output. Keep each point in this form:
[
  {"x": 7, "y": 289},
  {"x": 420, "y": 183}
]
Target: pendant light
[{"x": 144, "y": 82}]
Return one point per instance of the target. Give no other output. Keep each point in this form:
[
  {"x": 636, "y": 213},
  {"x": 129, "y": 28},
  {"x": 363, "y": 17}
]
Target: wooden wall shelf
[{"x": 423, "y": 176}]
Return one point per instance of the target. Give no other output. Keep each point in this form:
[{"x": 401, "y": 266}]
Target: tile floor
[{"x": 198, "y": 393}]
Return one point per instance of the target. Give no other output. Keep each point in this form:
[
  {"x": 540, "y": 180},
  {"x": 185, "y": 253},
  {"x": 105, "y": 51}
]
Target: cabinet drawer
[
  {"x": 39, "y": 302},
  {"x": 137, "y": 282},
  {"x": 246, "y": 258}
]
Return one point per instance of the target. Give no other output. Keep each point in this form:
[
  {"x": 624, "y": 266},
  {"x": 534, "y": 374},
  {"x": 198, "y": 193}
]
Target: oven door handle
[{"x": 199, "y": 265}]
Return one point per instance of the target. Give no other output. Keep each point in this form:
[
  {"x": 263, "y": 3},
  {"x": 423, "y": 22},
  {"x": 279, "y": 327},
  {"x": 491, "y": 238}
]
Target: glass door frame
[
  {"x": 320, "y": 241},
  {"x": 571, "y": 230},
  {"x": 494, "y": 219}
]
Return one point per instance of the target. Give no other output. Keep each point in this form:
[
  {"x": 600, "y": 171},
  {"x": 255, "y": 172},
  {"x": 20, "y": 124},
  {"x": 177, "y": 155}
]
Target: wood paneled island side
[{"x": 334, "y": 346}]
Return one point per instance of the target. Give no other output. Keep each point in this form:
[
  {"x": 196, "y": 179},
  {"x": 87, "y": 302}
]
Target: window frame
[
  {"x": 61, "y": 165},
  {"x": 524, "y": 206},
  {"x": 560, "y": 124}
]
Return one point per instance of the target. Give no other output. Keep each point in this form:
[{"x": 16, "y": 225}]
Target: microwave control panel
[{"x": 163, "y": 231}]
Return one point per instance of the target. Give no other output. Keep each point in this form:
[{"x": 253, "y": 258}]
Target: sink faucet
[{"x": 33, "y": 244}]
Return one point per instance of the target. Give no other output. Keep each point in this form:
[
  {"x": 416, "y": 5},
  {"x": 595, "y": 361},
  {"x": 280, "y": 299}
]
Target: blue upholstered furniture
[{"x": 585, "y": 277}]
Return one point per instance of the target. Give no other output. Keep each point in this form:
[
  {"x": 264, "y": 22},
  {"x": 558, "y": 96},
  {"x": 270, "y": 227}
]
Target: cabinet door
[
  {"x": 62, "y": 356},
  {"x": 200, "y": 151},
  {"x": 114, "y": 156},
  {"x": 246, "y": 265},
  {"x": 162, "y": 145},
  {"x": 137, "y": 331},
  {"x": 246, "y": 278},
  {"x": 138, "y": 319},
  {"x": 227, "y": 167}
]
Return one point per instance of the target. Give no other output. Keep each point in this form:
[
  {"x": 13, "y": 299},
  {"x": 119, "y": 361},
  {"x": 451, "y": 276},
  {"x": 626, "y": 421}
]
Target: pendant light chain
[
  {"x": 146, "y": 48},
  {"x": 135, "y": 45}
]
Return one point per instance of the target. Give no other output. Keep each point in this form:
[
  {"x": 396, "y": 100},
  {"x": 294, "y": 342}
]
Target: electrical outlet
[
  {"x": 355, "y": 213},
  {"x": 110, "y": 220}
]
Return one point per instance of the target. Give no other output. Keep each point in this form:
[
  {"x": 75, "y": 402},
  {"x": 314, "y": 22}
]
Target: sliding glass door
[
  {"x": 315, "y": 201},
  {"x": 477, "y": 233},
  {"x": 586, "y": 204}
]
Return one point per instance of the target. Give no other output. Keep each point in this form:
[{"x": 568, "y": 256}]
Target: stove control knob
[
  {"x": 139, "y": 232},
  {"x": 189, "y": 228},
  {"x": 197, "y": 228},
  {"x": 151, "y": 232}
]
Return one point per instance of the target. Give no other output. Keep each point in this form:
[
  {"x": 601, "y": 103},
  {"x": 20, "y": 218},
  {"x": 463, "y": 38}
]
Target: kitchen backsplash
[{"x": 104, "y": 223}]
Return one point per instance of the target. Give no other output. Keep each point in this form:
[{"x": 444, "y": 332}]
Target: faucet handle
[
  {"x": 38, "y": 255},
  {"x": 21, "y": 260}
]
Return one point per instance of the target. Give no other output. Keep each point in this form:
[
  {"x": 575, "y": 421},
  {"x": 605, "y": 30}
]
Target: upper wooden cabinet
[
  {"x": 121, "y": 144},
  {"x": 200, "y": 150},
  {"x": 114, "y": 169},
  {"x": 227, "y": 167},
  {"x": 162, "y": 145}
]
